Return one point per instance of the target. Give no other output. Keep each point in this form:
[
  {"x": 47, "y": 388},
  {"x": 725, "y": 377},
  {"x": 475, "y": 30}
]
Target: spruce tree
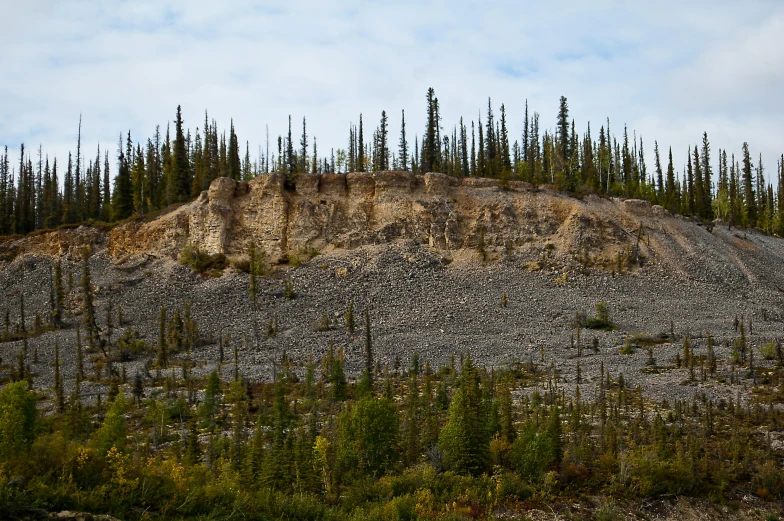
[
  {"x": 303, "y": 142},
  {"x": 464, "y": 439},
  {"x": 88, "y": 307},
  {"x": 181, "y": 164},
  {"x": 383, "y": 147},
  {"x": 429, "y": 143},
  {"x": 707, "y": 175},
  {"x": 403, "y": 144},
  {"x": 361, "y": 167},
  {"x": 750, "y": 198},
  {"x": 659, "y": 174},
  {"x": 563, "y": 130},
  {"x": 58, "y": 380},
  {"x": 670, "y": 187},
  {"x": 58, "y": 295},
  {"x": 122, "y": 205}
]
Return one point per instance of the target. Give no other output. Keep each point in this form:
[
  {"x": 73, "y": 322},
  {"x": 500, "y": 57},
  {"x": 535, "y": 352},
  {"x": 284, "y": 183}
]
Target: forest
[{"x": 164, "y": 170}]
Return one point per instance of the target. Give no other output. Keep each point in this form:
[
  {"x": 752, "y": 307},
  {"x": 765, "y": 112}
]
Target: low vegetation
[{"x": 202, "y": 262}]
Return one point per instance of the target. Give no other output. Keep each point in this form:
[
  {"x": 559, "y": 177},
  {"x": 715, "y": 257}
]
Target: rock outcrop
[{"x": 325, "y": 211}]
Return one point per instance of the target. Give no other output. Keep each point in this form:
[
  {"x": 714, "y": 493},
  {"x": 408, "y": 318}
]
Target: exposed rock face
[{"x": 351, "y": 210}]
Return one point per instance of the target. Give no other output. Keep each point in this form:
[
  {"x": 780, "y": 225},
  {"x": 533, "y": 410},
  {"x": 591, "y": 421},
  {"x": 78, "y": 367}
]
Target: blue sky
[{"x": 667, "y": 70}]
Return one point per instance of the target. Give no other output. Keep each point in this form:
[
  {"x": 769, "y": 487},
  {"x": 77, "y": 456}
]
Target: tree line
[{"x": 152, "y": 174}]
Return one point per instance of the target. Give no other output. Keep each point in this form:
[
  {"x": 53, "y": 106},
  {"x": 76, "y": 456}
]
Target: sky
[{"x": 669, "y": 70}]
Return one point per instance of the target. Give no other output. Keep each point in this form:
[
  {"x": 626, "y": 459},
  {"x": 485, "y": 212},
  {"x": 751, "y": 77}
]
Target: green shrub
[
  {"x": 201, "y": 261},
  {"x": 602, "y": 320},
  {"x": 768, "y": 350}
]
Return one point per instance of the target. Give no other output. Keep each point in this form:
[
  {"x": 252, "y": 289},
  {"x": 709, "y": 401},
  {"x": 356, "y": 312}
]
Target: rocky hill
[{"x": 433, "y": 256}]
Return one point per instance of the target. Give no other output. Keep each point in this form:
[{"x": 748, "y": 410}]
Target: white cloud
[{"x": 668, "y": 71}]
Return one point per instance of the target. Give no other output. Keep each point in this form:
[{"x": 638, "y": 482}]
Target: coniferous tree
[
  {"x": 699, "y": 186},
  {"x": 506, "y": 165},
  {"x": 383, "y": 147},
  {"x": 526, "y": 136},
  {"x": 492, "y": 165},
  {"x": 361, "y": 166},
  {"x": 670, "y": 186},
  {"x": 750, "y": 198},
  {"x": 403, "y": 144},
  {"x": 78, "y": 188},
  {"x": 464, "y": 440},
  {"x": 233, "y": 159},
  {"x": 563, "y": 130},
  {"x": 88, "y": 307},
  {"x": 659, "y": 174},
  {"x": 106, "y": 192},
  {"x": 58, "y": 379},
  {"x": 707, "y": 175},
  {"x": 481, "y": 167},
  {"x": 276, "y": 472},
  {"x": 430, "y": 141},
  {"x": 780, "y": 200},
  {"x": 303, "y": 142},
  {"x": 58, "y": 295},
  {"x": 122, "y": 206},
  {"x": 181, "y": 164},
  {"x": 464, "y": 149},
  {"x": 139, "y": 181}
]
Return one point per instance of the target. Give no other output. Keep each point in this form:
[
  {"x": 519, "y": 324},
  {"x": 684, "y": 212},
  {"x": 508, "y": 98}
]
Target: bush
[
  {"x": 322, "y": 324},
  {"x": 201, "y": 261},
  {"x": 768, "y": 350},
  {"x": 131, "y": 343},
  {"x": 602, "y": 320}
]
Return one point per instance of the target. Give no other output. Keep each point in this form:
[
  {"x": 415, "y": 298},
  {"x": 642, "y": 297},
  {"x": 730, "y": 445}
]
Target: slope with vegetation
[{"x": 405, "y": 341}]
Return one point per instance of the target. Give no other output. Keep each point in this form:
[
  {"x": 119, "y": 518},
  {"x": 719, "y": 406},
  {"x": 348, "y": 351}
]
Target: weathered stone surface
[
  {"x": 307, "y": 185},
  {"x": 637, "y": 207},
  {"x": 361, "y": 184}
]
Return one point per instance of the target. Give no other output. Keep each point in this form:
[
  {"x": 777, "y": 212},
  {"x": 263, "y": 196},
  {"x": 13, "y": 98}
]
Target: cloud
[{"x": 670, "y": 71}]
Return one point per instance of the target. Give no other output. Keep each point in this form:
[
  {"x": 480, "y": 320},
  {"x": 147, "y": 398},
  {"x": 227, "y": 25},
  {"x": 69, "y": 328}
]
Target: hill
[{"x": 565, "y": 291}]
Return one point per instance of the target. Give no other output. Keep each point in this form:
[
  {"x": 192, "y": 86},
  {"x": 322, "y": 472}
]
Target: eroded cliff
[{"x": 346, "y": 211}]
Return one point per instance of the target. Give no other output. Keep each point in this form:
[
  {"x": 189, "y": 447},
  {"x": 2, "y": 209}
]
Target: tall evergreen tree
[
  {"x": 78, "y": 188},
  {"x": 659, "y": 174},
  {"x": 303, "y": 143},
  {"x": 524, "y": 144},
  {"x": 506, "y": 165},
  {"x": 670, "y": 186},
  {"x": 464, "y": 439},
  {"x": 122, "y": 206},
  {"x": 361, "y": 161},
  {"x": 749, "y": 196},
  {"x": 182, "y": 169},
  {"x": 707, "y": 176},
  {"x": 430, "y": 140},
  {"x": 563, "y": 130},
  {"x": 403, "y": 144},
  {"x": 383, "y": 147}
]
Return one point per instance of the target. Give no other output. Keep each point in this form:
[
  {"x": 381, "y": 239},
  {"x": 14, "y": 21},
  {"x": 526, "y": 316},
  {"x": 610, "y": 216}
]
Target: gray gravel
[{"x": 419, "y": 301}]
